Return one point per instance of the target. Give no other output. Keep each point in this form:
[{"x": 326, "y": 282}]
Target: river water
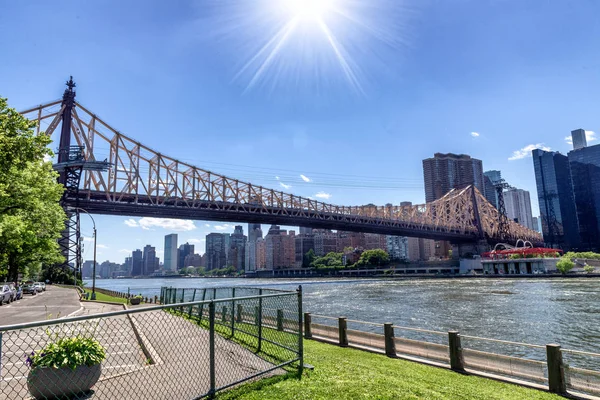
[{"x": 535, "y": 311}]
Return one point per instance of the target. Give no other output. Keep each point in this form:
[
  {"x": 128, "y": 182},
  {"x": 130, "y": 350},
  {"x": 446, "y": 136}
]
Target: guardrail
[
  {"x": 183, "y": 351},
  {"x": 536, "y": 365}
]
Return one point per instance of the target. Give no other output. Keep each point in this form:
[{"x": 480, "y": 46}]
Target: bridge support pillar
[{"x": 468, "y": 250}]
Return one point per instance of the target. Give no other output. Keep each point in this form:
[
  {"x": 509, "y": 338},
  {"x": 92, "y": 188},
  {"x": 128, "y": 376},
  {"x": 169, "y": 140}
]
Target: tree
[
  {"x": 308, "y": 258},
  {"x": 564, "y": 265},
  {"x": 31, "y": 218},
  {"x": 375, "y": 257},
  {"x": 330, "y": 260},
  {"x": 588, "y": 269}
]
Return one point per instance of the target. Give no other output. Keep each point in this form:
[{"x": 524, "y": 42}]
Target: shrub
[
  {"x": 588, "y": 269},
  {"x": 564, "y": 265},
  {"x": 68, "y": 352}
]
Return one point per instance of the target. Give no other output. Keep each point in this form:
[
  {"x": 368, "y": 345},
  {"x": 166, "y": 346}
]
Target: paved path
[
  {"x": 55, "y": 302},
  {"x": 177, "y": 348}
]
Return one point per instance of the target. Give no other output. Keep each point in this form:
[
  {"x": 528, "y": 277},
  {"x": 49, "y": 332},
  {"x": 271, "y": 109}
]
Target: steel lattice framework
[{"x": 144, "y": 182}]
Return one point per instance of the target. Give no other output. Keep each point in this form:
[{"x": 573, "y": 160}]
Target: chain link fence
[{"x": 188, "y": 350}]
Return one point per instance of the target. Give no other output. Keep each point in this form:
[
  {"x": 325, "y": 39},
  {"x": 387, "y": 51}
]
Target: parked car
[
  {"x": 5, "y": 294},
  {"x": 42, "y": 284},
  {"x": 12, "y": 291},
  {"x": 38, "y": 287},
  {"x": 29, "y": 289}
]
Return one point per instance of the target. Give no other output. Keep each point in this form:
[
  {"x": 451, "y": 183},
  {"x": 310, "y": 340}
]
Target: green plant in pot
[
  {"x": 135, "y": 300},
  {"x": 65, "y": 367}
]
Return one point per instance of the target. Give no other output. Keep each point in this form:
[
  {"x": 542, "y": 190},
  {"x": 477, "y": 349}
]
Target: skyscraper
[
  {"x": 184, "y": 250},
  {"x": 216, "y": 251},
  {"x": 518, "y": 207},
  {"x": 585, "y": 173},
  {"x": 579, "y": 139},
  {"x": 150, "y": 261},
  {"x": 444, "y": 172},
  {"x": 491, "y": 178},
  {"x": 237, "y": 249},
  {"x": 279, "y": 248},
  {"x": 304, "y": 243},
  {"x": 137, "y": 263},
  {"x": 254, "y": 233},
  {"x": 171, "y": 252},
  {"x": 556, "y": 199}
]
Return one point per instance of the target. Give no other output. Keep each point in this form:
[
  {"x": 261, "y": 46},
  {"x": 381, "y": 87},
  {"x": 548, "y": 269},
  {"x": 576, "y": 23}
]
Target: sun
[{"x": 308, "y": 10}]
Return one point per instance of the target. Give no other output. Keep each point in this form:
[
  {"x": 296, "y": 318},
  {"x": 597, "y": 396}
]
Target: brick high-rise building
[
  {"x": 237, "y": 249},
  {"x": 444, "y": 172},
  {"x": 304, "y": 243},
  {"x": 279, "y": 248}
]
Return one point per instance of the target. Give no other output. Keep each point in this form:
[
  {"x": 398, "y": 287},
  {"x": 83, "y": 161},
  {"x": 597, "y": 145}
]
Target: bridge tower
[{"x": 70, "y": 164}]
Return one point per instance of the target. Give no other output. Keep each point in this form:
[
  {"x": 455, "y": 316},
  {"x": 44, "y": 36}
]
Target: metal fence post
[
  {"x": 556, "y": 371},
  {"x": 390, "y": 343},
  {"x": 300, "y": 339},
  {"x": 280, "y": 320},
  {"x": 343, "y": 331},
  {"x": 233, "y": 311},
  {"x": 162, "y": 292},
  {"x": 211, "y": 348},
  {"x": 239, "y": 313},
  {"x": 260, "y": 311},
  {"x": 214, "y": 293},
  {"x": 457, "y": 361},
  {"x": 307, "y": 322},
  {"x": 201, "y": 307},
  {"x": 193, "y": 299},
  {"x": 224, "y": 315}
]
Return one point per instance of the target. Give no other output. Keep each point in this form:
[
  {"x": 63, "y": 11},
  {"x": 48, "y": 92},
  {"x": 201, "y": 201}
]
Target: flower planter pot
[
  {"x": 50, "y": 383},
  {"x": 135, "y": 301}
]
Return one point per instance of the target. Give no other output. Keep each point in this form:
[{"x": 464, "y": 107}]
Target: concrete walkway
[{"x": 149, "y": 355}]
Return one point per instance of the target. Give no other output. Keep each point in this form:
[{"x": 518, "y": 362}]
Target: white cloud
[
  {"x": 475, "y": 134},
  {"x": 323, "y": 195},
  {"x": 172, "y": 224},
  {"x": 196, "y": 240},
  {"x": 277, "y": 177},
  {"x": 102, "y": 246},
  {"x": 47, "y": 158},
  {"x": 132, "y": 223},
  {"x": 526, "y": 151},
  {"x": 88, "y": 239},
  {"x": 590, "y": 136},
  {"x": 125, "y": 251},
  {"x": 207, "y": 225},
  {"x": 222, "y": 227},
  {"x": 305, "y": 178},
  {"x": 283, "y": 185}
]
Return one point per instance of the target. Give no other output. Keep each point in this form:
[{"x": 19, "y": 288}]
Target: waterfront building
[
  {"x": 279, "y": 248},
  {"x": 444, "y": 172},
  {"x": 87, "y": 269},
  {"x": 419, "y": 249},
  {"x": 216, "y": 251},
  {"x": 375, "y": 241},
  {"x": 304, "y": 242},
  {"x": 397, "y": 247},
  {"x": 237, "y": 249},
  {"x": 183, "y": 251},
  {"x": 585, "y": 173},
  {"x": 137, "y": 263},
  {"x": 325, "y": 242},
  {"x": 518, "y": 207},
  {"x": 170, "y": 263},
  {"x": 261, "y": 254},
  {"x": 556, "y": 199},
  {"x": 306, "y": 231},
  {"x": 254, "y": 233},
  {"x": 149, "y": 260},
  {"x": 193, "y": 260}
]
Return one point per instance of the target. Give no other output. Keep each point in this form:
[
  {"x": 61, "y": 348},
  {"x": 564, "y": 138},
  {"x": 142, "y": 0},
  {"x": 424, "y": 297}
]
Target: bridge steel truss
[{"x": 144, "y": 182}]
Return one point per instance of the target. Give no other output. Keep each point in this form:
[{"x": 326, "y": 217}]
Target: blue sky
[{"x": 425, "y": 74}]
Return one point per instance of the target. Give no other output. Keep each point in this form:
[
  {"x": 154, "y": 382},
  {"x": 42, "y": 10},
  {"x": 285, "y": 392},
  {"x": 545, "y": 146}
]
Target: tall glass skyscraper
[
  {"x": 585, "y": 172},
  {"x": 556, "y": 199}
]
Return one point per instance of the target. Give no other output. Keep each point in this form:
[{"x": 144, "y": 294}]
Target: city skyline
[{"x": 489, "y": 79}]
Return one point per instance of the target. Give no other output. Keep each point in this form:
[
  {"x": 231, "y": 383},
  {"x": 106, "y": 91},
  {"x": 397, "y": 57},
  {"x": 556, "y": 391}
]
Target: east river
[{"x": 535, "y": 311}]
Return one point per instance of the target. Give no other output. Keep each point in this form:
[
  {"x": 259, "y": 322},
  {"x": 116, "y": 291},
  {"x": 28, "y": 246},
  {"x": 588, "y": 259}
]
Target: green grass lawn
[
  {"x": 343, "y": 373},
  {"x": 105, "y": 297}
]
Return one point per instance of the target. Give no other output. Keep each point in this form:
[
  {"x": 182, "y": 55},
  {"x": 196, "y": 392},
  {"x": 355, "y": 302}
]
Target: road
[{"x": 55, "y": 302}]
